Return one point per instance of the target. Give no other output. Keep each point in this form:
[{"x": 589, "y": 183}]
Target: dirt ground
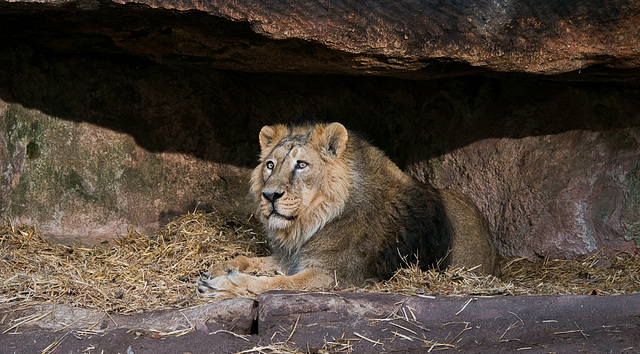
[{"x": 288, "y": 322}]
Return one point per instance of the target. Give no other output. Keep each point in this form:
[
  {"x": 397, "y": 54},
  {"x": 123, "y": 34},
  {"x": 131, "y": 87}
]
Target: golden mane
[{"x": 323, "y": 148}]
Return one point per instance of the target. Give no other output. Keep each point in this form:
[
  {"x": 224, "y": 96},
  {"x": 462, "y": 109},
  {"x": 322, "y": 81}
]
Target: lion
[{"x": 337, "y": 211}]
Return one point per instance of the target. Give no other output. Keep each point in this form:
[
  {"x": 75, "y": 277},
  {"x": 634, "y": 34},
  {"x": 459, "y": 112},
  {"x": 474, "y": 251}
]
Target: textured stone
[
  {"x": 341, "y": 322},
  {"x": 87, "y": 183},
  {"x": 554, "y": 172},
  {"x": 411, "y": 39},
  {"x": 529, "y": 36},
  {"x": 388, "y": 322},
  {"x": 234, "y": 315},
  {"x": 557, "y": 195}
]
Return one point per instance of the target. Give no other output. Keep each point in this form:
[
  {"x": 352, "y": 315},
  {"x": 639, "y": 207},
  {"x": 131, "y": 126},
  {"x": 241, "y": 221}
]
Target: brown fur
[
  {"x": 337, "y": 209},
  {"x": 471, "y": 244}
]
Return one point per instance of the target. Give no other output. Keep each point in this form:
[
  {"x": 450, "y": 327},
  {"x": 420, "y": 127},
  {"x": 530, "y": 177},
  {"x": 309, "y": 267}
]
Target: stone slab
[
  {"x": 234, "y": 314},
  {"x": 372, "y": 322}
]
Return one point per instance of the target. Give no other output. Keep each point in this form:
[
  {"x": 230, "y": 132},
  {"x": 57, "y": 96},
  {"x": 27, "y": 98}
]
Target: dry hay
[
  {"x": 137, "y": 273},
  {"x": 592, "y": 275},
  {"x": 134, "y": 273}
]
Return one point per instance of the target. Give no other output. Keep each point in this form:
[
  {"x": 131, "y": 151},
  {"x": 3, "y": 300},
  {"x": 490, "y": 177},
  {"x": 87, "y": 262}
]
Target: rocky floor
[{"x": 337, "y": 322}]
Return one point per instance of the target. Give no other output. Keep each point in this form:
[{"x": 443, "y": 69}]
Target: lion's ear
[
  {"x": 335, "y": 138},
  {"x": 268, "y": 135}
]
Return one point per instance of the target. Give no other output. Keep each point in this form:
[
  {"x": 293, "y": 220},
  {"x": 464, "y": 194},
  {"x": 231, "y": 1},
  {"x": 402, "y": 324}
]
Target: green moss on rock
[{"x": 78, "y": 176}]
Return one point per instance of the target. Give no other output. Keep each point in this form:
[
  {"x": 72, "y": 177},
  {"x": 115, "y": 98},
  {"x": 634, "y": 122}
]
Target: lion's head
[{"x": 302, "y": 181}]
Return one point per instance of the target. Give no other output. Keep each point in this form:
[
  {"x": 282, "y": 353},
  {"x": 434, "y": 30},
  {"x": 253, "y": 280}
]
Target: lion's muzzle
[
  {"x": 276, "y": 214},
  {"x": 276, "y": 217},
  {"x": 272, "y": 196}
]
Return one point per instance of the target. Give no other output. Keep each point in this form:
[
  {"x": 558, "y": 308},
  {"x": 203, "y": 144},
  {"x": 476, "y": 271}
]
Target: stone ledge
[
  {"x": 365, "y": 322},
  {"x": 233, "y": 314},
  {"x": 397, "y": 322}
]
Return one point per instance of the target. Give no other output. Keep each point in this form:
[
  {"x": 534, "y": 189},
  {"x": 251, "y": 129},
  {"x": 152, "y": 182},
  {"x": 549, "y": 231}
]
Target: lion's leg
[
  {"x": 243, "y": 264},
  {"x": 240, "y": 284}
]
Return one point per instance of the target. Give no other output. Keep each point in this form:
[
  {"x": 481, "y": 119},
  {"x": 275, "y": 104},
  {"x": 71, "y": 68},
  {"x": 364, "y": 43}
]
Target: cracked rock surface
[{"x": 354, "y": 322}]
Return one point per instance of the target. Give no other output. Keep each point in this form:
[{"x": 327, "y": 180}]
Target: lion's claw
[{"x": 224, "y": 285}]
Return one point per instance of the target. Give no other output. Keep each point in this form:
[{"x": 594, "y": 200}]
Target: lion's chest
[{"x": 289, "y": 262}]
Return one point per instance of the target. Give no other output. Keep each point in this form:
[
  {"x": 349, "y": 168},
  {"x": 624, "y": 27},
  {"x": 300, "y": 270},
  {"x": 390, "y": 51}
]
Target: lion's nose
[{"x": 272, "y": 196}]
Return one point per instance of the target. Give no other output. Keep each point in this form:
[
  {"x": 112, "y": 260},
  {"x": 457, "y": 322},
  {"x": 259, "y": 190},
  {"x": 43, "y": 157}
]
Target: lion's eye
[
  {"x": 270, "y": 165},
  {"x": 301, "y": 164}
]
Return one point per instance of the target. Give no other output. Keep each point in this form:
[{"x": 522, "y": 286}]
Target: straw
[{"x": 136, "y": 273}]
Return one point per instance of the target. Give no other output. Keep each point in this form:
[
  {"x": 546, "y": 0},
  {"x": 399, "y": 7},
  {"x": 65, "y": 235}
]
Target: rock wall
[
  {"x": 127, "y": 114},
  {"x": 82, "y": 182},
  {"x": 553, "y": 165}
]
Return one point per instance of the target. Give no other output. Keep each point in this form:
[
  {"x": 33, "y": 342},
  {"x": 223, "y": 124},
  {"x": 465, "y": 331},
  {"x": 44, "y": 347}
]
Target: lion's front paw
[
  {"x": 232, "y": 284},
  {"x": 238, "y": 264}
]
